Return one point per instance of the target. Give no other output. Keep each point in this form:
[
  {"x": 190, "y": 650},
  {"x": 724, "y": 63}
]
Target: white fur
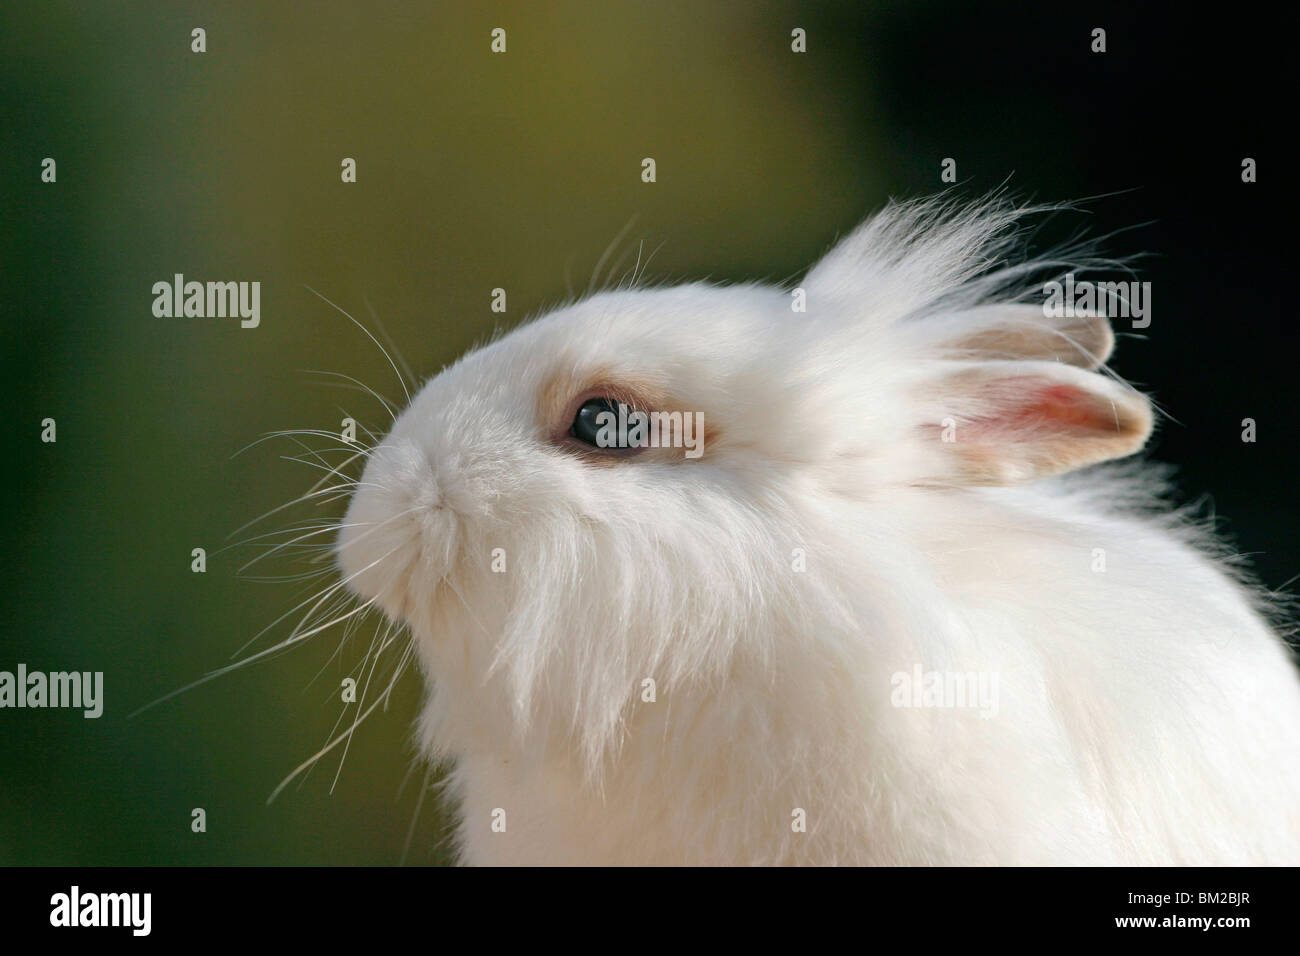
[{"x": 1147, "y": 714}]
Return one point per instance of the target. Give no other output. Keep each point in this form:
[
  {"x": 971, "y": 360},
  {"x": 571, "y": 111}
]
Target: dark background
[{"x": 477, "y": 171}]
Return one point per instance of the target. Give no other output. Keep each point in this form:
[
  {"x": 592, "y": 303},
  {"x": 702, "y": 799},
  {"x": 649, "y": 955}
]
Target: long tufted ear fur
[{"x": 1001, "y": 392}]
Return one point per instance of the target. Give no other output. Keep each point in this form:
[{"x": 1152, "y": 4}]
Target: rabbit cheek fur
[{"x": 883, "y": 490}]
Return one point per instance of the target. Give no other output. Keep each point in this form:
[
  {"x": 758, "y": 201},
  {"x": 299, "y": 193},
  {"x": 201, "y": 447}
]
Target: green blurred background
[{"x": 477, "y": 171}]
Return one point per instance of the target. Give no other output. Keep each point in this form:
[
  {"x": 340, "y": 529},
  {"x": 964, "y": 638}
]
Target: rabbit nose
[{"x": 395, "y": 506}]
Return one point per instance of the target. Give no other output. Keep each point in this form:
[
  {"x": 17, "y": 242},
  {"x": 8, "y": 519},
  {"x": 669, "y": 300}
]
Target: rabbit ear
[
  {"x": 999, "y": 423},
  {"x": 1018, "y": 331}
]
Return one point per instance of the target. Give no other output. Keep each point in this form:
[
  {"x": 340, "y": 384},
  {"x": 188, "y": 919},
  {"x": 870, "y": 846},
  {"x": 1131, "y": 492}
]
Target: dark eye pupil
[{"x": 587, "y": 424}]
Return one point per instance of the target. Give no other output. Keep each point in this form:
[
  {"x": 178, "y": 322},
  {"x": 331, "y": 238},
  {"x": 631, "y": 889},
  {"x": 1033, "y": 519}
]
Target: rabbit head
[{"x": 545, "y": 577}]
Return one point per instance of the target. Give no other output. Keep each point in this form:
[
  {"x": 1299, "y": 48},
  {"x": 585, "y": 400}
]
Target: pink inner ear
[{"x": 1034, "y": 407}]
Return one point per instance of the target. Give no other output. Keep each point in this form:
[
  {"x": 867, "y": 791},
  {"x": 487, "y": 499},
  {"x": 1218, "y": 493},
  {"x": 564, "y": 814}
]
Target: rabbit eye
[{"x": 596, "y": 423}]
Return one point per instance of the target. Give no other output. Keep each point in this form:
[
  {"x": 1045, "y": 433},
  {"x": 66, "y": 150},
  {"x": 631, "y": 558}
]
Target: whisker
[
  {"x": 303, "y": 461},
  {"x": 357, "y": 385},
  {"x": 378, "y": 344},
  {"x": 609, "y": 250},
  {"x": 415, "y": 817},
  {"x": 335, "y": 490},
  {"x": 329, "y": 527},
  {"x": 253, "y": 541},
  {"x": 334, "y": 588},
  {"x": 289, "y": 432},
  {"x": 310, "y": 761},
  {"x": 282, "y": 578},
  {"x": 373, "y": 658},
  {"x": 374, "y": 439},
  {"x": 213, "y": 675},
  {"x": 341, "y": 465},
  {"x": 614, "y": 268},
  {"x": 374, "y": 316}
]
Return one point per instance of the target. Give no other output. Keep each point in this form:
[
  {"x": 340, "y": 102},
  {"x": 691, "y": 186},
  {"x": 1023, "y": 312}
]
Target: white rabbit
[{"x": 637, "y": 657}]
